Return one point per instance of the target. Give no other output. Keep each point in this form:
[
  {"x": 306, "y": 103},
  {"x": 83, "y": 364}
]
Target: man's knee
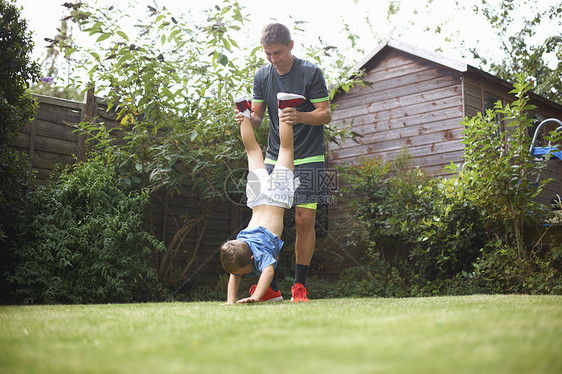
[{"x": 304, "y": 219}]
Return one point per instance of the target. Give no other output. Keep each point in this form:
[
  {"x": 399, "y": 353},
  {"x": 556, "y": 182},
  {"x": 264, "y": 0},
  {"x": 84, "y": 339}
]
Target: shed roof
[
  {"x": 419, "y": 52},
  {"x": 444, "y": 61}
]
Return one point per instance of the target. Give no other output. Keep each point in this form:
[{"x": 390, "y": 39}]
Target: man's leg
[
  {"x": 305, "y": 218},
  {"x": 306, "y": 235},
  {"x": 304, "y": 249}
]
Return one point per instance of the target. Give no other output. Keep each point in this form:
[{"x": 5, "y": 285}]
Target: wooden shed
[{"x": 416, "y": 100}]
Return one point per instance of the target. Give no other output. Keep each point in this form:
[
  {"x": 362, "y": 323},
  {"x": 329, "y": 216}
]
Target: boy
[{"x": 259, "y": 244}]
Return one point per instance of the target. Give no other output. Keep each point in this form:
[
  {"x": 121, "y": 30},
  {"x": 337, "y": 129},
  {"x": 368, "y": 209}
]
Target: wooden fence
[
  {"x": 50, "y": 140},
  {"x": 47, "y": 140}
]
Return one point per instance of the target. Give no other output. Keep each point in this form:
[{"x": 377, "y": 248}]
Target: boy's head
[
  {"x": 236, "y": 257},
  {"x": 276, "y": 33}
]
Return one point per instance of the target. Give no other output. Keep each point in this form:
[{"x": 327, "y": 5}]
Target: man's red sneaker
[
  {"x": 270, "y": 295},
  {"x": 299, "y": 293}
]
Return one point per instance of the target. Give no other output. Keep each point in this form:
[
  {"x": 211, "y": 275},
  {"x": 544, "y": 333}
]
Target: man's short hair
[
  {"x": 275, "y": 33},
  {"x": 235, "y": 254}
]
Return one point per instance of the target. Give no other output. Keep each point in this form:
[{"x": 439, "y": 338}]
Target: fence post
[
  {"x": 32, "y": 131},
  {"x": 88, "y": 113}
]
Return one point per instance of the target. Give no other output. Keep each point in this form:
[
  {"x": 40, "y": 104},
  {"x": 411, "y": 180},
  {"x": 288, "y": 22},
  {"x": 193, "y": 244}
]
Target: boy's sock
[
  {"x": 273, "y": 283},
  {"x": 288, "y": 100},
  {"x": 243, "y": 105},
  {"x": 301, "y": 271}
]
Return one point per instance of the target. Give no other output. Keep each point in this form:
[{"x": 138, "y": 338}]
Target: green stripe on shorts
[
  {"x": 312, "y": 206},
  {"x": 301, "y": 161}
]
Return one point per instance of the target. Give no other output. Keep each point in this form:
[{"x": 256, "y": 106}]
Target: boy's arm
[
  {"x": 263, "y": 283},
  {"x": 232, "y": 290}
]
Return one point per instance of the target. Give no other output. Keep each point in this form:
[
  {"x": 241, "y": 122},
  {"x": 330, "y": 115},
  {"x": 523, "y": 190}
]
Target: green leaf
[
  {"x": 233, "y": 42},
  {"x": 123, "y": 35},
  {"x": 103, "y": 37},
  {"x": 167, "y": 92},
  {"x": 95, "y": 55},
  {"x": 173, "y": 34},
  {"x": 222, "y": 59}
]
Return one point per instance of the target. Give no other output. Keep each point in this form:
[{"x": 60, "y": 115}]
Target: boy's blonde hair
[{"x": 235, "y": 254}]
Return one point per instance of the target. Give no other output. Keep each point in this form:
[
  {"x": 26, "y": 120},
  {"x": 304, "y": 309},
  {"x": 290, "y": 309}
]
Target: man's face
[{"x": 280, "y": 56}]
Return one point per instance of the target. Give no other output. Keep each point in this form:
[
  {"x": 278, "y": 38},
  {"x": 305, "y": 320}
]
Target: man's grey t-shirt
[{"x": 305, "y": 79}]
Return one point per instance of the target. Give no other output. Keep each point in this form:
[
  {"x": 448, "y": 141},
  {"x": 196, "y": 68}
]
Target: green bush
[
  {"x": 416, "y": 229},
  {"x": 17, "y": 109},
  {"x": 459, "y": 234},
  {"x": 499, "y": 177},
  {"x": 85, "y": 240}
]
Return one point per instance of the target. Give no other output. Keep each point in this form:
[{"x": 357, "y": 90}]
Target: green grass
[{"x": 474, "y": 334}]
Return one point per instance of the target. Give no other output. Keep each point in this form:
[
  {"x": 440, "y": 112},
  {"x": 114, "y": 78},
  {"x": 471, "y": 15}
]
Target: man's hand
[
  {"x": 238, "y": 116},
  {"x": 290, "y": 116}
]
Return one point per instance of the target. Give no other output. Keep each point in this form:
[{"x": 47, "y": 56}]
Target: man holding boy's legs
[{"x": 286, "y": 73}]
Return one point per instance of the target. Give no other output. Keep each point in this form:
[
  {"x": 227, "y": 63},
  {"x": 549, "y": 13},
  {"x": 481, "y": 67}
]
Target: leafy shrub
[
  {"x": 463, "y": 233},
  {"x": 500, "y": 178},
  {"x": 17, "y": 109},
  {"x": 415, "y": 228},
  {"x": 85, "y": 240}
]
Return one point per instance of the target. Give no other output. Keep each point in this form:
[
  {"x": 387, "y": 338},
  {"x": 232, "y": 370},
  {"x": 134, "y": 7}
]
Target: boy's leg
[
  {"x": 253, "y": 150},
  {"x": 286, "y": 150}
]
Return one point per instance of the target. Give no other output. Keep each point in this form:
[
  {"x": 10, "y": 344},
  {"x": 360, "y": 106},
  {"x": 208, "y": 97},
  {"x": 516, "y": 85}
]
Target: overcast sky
[{"x": 325, "y": 19}]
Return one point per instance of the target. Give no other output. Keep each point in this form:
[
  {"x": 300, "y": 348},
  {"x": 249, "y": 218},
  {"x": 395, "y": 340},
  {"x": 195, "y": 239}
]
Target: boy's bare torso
[{"x": 268, "y": 216}]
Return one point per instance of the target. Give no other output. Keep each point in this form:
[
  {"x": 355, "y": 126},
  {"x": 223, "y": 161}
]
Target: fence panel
[{"x": 50, "y": 140}]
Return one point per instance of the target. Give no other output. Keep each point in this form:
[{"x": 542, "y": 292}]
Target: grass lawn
[{"x": 473, "y": 334}]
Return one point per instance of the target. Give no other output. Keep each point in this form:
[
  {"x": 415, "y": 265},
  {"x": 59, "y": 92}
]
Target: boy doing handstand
[{"x": 258, "y": 245}]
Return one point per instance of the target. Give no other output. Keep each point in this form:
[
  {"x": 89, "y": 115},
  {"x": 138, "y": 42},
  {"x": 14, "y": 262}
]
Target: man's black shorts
[{"x": 313, "y": 187}]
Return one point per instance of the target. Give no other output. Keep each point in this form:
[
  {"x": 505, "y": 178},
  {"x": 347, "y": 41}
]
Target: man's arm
[
  {"x": 263, "y": 283},
  {"x": 321, "y": 115},
  {"x": 232, "y": 290},
  {"x": 258, "y": 112}
]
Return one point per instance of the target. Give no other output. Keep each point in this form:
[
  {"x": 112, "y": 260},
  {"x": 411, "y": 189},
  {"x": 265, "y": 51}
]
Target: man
[{"x": 286, "y": 73}]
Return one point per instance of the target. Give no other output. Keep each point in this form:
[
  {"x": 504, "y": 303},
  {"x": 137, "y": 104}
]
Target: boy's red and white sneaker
[
  {"x": 299, "y": 294},
  {"x": 243, "y": 105},
  {"x": 270, "y": 295},
  {"x": 289, "y": 100}
]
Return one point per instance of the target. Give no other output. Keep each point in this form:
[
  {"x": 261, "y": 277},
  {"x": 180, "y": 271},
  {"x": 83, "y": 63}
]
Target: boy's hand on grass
[{"x": 248, "y": 300}]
